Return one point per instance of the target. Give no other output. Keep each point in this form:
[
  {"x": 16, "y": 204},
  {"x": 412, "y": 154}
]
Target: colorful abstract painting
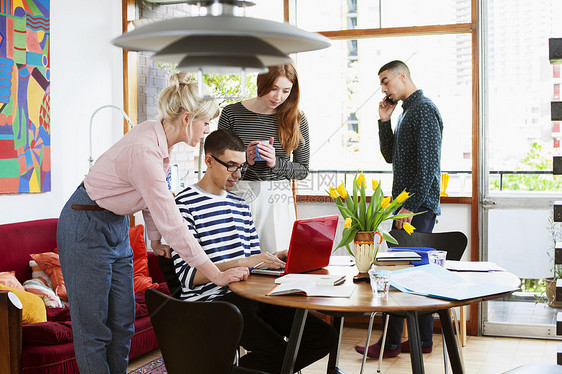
[{"x": 25, "y": 87}]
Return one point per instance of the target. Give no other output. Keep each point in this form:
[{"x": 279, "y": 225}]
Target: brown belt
[{"x": 86, "y": 207}]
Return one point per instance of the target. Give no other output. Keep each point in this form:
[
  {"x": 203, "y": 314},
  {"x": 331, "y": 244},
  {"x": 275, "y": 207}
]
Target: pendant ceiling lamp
[
  {"x": 220, "y": 42},
  {"x": 156, "y": 36}
]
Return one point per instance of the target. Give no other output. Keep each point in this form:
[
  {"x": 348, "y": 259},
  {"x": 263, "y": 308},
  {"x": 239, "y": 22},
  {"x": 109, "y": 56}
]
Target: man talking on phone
[{"x": 414, "y": 150}]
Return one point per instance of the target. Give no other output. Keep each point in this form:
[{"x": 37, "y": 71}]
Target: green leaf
[
  {"x": 363, "y": 209},
  {"x": 348, "y": 235},
  {"x": 398, "y": 216},
  {"x": 389, "y": 238},
  {"x": 355, "y": 202},
  {"x": 350, "y": 206}
]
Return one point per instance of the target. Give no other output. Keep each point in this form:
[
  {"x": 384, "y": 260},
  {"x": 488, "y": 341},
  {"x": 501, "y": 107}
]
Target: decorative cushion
[
  {"x": 39, "y": 274},
  {"x": 33, "y": 308},
  {"x": 8, "y": 278},
  {"x": 47, "y": 333},
  {"x": 49, "y": 262},
  {"x": 141, "y": 279},
  {"x": 37, "y": 287},
  {"x": 58, "y": 314}
]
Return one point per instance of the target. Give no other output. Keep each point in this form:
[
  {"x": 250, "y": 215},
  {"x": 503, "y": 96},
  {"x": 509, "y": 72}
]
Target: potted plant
[
  {"x": 556, "y": 269},
  {"x": 363, "y": 221}
]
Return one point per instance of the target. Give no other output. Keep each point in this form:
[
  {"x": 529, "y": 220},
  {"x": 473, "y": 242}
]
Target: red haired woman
[{"x": 275, "y": 133}]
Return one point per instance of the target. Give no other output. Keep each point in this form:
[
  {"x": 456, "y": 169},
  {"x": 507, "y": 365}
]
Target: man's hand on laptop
[
  {"x": 282, "y": 255},
  {"x": 269, "y": 261}
]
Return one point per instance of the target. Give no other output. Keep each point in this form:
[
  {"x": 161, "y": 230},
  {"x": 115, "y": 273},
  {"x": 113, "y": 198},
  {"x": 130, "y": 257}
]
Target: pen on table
[{"x": 255, "y": 266}]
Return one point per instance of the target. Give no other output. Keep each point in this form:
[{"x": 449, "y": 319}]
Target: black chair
[
  {"x": 168, "y": 271},
  {"x": 196, "y": 337},
  {"x": 453, "y": 242}
]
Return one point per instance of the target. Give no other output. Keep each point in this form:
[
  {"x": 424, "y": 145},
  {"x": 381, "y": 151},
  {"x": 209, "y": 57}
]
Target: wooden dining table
[{"x": 362, "y": 301}]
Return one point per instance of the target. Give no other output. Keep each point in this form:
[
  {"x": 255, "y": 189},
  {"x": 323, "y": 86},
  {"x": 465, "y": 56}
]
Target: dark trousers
[
  {"x": 423, "y": 223},
  {"x": 265, "y": 329}
]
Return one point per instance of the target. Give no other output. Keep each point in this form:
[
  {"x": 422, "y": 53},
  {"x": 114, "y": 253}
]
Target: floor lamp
[{"x": 91, "y": 160}]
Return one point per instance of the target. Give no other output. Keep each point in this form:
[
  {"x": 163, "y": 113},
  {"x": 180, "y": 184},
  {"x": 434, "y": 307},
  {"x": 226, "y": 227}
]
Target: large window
[
  {"x": 521, "y": 82},
  {"x": 340, "y": 86},
  {"x": 365, "y": 14}
]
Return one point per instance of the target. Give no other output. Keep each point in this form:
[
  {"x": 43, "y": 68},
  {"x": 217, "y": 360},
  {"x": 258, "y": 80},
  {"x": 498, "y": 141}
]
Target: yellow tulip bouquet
[{"x": 360, "y": 217}]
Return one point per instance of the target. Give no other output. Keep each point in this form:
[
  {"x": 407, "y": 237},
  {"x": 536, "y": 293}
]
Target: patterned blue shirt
[
  {"x": 414, "y": 149},
  {"x": 223, "y": 226}
]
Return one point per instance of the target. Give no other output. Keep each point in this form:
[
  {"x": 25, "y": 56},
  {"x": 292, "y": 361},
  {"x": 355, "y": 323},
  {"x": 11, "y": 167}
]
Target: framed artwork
[{"x": 25, "y": 86}]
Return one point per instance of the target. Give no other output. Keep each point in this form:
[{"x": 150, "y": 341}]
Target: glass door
[{"x": 519, "y": 140}]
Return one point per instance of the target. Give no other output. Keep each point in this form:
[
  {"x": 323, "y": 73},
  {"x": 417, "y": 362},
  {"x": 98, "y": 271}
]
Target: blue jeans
[
  {"x": 423, "y": 223},
  {"x": 97, "y": 266}
]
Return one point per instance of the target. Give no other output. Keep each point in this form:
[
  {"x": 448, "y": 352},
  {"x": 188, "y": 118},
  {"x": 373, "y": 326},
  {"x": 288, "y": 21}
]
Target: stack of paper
[
  {"x": 396, "y": 258},
  {"x": 435, "y": 281}
]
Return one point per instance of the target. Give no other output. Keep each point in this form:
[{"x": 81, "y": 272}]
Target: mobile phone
[{"x": 389, "y": 100}]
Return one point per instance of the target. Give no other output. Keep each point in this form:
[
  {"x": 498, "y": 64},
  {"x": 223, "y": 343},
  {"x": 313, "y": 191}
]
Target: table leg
[
  {"x": 294, "y": 341},
  {"x": 452, "y": 347},
  {"x": 416, "y": 357},
  {"x": 334, "y": 356}
]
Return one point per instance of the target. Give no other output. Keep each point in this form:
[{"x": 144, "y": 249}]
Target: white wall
[{"x": 86, "y": 72}]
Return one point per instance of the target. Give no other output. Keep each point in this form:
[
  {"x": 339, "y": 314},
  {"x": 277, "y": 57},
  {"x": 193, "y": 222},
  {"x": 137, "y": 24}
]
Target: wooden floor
[{"x": 482, "y": 355}]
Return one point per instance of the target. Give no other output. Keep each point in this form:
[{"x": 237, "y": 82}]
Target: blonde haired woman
[
  {"x": 92, "y": 233},
  {"x": 275, "y": 133}
]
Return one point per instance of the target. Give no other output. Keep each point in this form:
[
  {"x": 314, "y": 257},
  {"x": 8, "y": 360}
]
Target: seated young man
[{"x": 223, "y": 225}]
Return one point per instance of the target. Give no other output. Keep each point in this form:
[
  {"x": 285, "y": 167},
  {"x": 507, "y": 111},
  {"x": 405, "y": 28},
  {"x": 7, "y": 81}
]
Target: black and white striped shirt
[
  {"x": 223, "y": 226},
  {"x": 250, "y": 126}
]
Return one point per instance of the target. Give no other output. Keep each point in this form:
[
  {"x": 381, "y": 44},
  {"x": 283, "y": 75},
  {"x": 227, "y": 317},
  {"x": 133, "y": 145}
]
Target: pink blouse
[{"x": 131, "y": 175}]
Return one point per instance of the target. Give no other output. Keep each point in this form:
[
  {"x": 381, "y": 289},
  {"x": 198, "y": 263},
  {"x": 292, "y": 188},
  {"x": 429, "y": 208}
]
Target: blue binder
[{"x": 422, "y": 251}]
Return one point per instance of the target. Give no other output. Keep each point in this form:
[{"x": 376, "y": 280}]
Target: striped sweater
[
  {"x": 250, "y": 126},
  {"x": 223, "y": 226}
]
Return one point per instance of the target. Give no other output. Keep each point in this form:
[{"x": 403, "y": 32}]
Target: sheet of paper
[
  {"x": 436, "y": 281},
  {"x": 318, "y": 279},
  {"x": 342, "y": 261},
  {"x": 472, "y": 266},
  {"x": 311, "y": 289}
]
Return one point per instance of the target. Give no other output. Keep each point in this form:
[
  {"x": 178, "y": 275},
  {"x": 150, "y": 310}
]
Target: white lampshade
[
  {"x": 155, "y": 36},
  {"x": 228, "y": 45}
]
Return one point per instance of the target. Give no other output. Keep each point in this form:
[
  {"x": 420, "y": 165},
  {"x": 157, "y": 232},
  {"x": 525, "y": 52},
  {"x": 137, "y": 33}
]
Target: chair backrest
[
  {"x": 195, "y": 336},
  {"x": 168, "y": 271},
  {"x": 454, "y": 242}
]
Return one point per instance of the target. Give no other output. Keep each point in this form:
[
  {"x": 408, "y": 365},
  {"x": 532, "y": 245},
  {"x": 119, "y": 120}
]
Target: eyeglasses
[
  {"x": 232, "y": 168},
  {"x": 387, "y": 81}
]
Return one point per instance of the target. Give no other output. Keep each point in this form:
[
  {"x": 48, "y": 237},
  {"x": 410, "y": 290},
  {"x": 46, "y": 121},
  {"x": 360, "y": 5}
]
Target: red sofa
[{"x": 47, "y": 348}]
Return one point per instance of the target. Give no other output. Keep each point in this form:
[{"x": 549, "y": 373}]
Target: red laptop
[{"x": 310, "y": 248}]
